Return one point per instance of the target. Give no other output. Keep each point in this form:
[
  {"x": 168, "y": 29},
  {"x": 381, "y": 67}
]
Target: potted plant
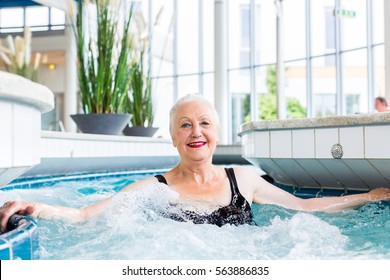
[
  {"x": 104, "y": 65},
  {"x": 140, "y": 101}
]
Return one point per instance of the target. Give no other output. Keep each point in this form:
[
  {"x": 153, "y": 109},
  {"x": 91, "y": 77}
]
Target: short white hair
[{"x": 192, "y": 97}]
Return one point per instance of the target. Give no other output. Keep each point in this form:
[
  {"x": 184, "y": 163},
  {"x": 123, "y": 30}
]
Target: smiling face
[{"x": 194, "y": 130}]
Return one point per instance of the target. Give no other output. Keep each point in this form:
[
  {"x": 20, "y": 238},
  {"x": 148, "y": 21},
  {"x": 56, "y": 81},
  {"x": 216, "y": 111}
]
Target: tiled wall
[
  {"x": 78, "y": 145},
  {"x": 19, "y": 140},
  {"x": 303, "y": 157},
  {"x": 64, "y": 153}
]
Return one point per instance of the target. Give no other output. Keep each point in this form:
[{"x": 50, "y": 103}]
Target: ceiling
[
  {"x": 17, "y": 3},
  {"x": 59, "y": 4},
  {"x": 55, "y": 57}
]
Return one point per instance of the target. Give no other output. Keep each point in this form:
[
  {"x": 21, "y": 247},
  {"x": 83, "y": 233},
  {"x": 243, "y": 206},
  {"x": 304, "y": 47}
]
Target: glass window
[
  {"x": 295, "y": 89},
  {"x": 294, "y": 29},
  {"x": 245, "y": 36},
  {"x": 379, "y": 74},
  {"x": 162, "y": 37},
  {"x": 188, "y": 37},
  {"x": 266, "y": 92},
  {"x": 37, "y": 18},
  {"x": 355, "y": 82},
  {"x": 324, "y": 88},
  {"x": 245, "y": 24},
  {"x": 239, "y": 33},
  {"x": 239, "y": 81},
  {"x": 11, "y": 19},
  {"x": 322, "y": 27},
  {"x": 354, "y": 28},
  {"x": 352, "y": 102},
  {"x": 163, "y": 100},
  {"x": 378, "y": 21},
  {"x": 188, "y": 84},
  {"x": 265, "y": 37},
  {"x": 208, "y": 36},
  {"x": 208, "y": 86},
  {"x": 239, "y": 87},
  {"x": 240, "y": 113},
  {"x": 330, "y": 30},
  {"x": 57, "y": 17}
]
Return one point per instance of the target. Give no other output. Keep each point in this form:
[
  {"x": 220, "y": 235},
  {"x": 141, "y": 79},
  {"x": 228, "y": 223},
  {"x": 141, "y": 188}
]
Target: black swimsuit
[{"x": 238, "y": 212}]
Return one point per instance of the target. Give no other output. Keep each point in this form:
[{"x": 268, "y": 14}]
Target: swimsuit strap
[
  {"x": 229, "y": 173},
  {"x": 161, "y": 179},
  {"x": 238, "y": 200},
  {"x": 233, "y": 185}
]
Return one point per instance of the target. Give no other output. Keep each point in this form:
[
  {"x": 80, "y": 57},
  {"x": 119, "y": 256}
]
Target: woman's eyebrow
[
  {"x": 186, "y": 118},
  {"x": 205, "y": 116}
]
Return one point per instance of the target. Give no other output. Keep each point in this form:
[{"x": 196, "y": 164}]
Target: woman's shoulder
[
  {"x": 141, "y": 183},
  {"x": 246, "y": 170},
  {"x": 248, "y": 177}
]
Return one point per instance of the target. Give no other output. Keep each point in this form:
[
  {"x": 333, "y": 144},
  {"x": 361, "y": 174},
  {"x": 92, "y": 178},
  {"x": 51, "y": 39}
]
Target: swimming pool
[{"x": 133, "y": 229}]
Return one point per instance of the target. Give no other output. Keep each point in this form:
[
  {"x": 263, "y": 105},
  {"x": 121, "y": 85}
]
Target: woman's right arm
[{"x": 45, "y": 211}]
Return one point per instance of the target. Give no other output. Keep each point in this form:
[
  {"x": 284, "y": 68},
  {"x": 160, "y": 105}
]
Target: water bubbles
[{"x": 133, "y": 227}]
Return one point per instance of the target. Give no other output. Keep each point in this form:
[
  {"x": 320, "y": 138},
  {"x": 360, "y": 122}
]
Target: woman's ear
[{"x": 173, "y": 141}]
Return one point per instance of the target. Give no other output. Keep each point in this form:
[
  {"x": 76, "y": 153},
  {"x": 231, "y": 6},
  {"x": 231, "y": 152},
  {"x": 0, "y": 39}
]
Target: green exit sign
[{"x": 344, "y": 13}]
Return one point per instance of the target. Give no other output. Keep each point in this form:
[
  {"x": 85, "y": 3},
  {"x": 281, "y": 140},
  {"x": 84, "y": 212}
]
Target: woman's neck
[{"x": 196, "y": 172}]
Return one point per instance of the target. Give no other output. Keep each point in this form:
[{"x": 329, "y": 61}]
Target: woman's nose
[{"x": 196, "y": 131}]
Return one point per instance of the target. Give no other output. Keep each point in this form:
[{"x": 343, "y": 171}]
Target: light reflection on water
[{"x": 132, "y": 229}]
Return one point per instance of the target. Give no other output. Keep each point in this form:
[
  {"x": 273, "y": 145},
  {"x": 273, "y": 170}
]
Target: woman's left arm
[
  {"x": 265, "y": 193},
  {"x": 339, "y": 203}
]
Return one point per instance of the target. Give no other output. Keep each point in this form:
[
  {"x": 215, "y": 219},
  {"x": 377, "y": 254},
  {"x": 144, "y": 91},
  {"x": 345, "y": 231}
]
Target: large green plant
[
  {"x": 140, "y": 102},
  {"x": 104, "y": 56}
]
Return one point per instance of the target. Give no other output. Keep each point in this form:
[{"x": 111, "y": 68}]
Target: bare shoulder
[
  {"x": 248, "y": 179},
  {"x": 246, "y": 171},
  {"x": 251, "y": 178},
  {"x": 140, "y": 184}
]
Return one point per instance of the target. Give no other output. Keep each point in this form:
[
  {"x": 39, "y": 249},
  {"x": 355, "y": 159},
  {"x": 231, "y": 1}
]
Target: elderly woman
[{"x": 222, "y": 195}]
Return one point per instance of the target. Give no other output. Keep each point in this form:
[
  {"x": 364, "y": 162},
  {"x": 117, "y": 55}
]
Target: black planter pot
[
  {"x": 111, "y": 124},
  {"x": 140, "y": 131}
]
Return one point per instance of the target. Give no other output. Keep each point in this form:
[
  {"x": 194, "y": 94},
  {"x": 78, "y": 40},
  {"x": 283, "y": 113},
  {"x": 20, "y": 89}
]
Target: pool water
[{"x": 132, "y": 228}]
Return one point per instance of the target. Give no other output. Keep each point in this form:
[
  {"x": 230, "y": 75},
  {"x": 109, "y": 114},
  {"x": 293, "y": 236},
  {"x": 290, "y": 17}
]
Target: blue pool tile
[
  {"x": 4, "y": 250},
  {"x": 21, "y": 246}
]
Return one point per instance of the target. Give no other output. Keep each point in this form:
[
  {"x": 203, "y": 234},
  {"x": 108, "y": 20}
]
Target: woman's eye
[
  {"x": 205, "y": 123},
  {"x": 185, "y": 125}
]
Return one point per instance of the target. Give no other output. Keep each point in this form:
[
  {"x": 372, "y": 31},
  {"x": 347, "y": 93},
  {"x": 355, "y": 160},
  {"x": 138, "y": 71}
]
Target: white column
[
  {"x": 71, "y": 82},
  {"x": 387, "y": 49},
  {"x": 280, "y": 60},
  {"x": 220, "y": 68}
]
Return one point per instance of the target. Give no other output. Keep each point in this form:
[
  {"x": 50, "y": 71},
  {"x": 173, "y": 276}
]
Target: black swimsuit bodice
[{"x": 238, "y": 212}]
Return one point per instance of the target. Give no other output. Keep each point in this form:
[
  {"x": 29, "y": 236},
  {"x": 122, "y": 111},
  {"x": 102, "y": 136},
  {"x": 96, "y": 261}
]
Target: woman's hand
[
  {"x": 11, "y": 207},
  {"x": 379, "y": 194}
]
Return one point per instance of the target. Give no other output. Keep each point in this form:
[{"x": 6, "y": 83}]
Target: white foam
[{"x": 133, "y": 228}]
